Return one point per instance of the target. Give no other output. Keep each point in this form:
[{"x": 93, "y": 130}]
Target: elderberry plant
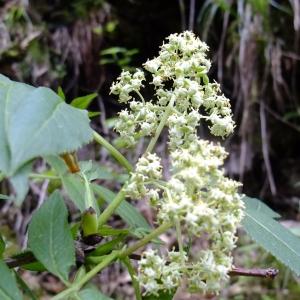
[{"x": 195, "y": 198}]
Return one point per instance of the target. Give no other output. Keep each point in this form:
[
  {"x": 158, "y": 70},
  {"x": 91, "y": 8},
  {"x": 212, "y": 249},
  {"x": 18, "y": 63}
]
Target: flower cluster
[
  {"x": 157, "y": 273},
  {"x": 148, "y": 171},
  {"x": 179, "y": 77},
  {"x": 126, "y": 84},
  {"x": 207, "y": 205},
  {"x": 142, "y": 120},
  {"x": 198, "y": 198}
]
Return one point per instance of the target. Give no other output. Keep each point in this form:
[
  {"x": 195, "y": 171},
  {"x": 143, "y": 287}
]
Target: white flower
[
  {"x": 127, "y": 83},
  {"x": 148, "y": 170},
  {"x": 152, "y": 65},
  {"x": 197, "y": 194}
]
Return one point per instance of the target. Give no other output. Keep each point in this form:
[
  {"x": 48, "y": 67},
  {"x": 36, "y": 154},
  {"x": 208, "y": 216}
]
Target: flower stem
[
  {"x": 110, "y": 209},
  {"x": 141, "y": 96},
  {"x": 161, "y": 125},
  {"x": 77, "y": 286},
  {"x": 113, "y": 151},
  {"x": 132, "y": 274},
  {"x": 144, "y": 241}
]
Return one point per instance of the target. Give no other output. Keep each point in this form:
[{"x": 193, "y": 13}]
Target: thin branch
[
  {"x": 281, "y": 119},
  {"x": 265, "y": 273},
  {"x": 265, "y": 149}
]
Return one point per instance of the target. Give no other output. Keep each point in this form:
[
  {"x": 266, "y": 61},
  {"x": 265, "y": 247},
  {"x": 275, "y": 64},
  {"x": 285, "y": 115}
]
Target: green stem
[
  {"x": 94, "y": 259},
  {"x": 88, "y": 276},
  {"x": 144, "y": 241},
  {"x": 132, "y": 274},
  {"x": 43, "y": 176},
  {"x": 141, "y": 96},
  {"x": 113, "y": 151},
  {"x": 161, "y": 125},
  {"x": 110, "y": 209}
]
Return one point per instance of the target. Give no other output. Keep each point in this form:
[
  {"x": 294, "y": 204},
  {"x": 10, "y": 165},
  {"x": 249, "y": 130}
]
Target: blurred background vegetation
[{"x": 82, "y": 45}]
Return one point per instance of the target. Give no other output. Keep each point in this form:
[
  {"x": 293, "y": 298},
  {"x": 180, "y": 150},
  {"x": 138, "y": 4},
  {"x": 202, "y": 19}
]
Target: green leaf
[
  {"x": 93, "y": 114},
  {"x": 105, "y": 61},
  {"x": 84, "y": 101},
  {"x": 2, "y": 246},
  {"x": 113, "y": 51},
  {"x": 72, "y": 183},
  {"x": 19, "y": 182},
  {"x": 91, "y": 293},
  {"x": 5, "y": 197},
  {"x": 126, "y": 211},
  {"x": 107, "y": 247},
  {"x": 254, "y": 204},
  {"x": 160, "y": 296},
  {"x": 74, "y": 186},
  {"x": 34, "y": 266},
  {"x": 61, "y": 93},
  {"x": 36, "y": 122},
  {"x": 8, "y": 285},
  {"x": 50, "y": 239},
  {"x": 96, "y": 171},
  {"x": 273, "y": 237},
  {"x": 57, "y": 163}
]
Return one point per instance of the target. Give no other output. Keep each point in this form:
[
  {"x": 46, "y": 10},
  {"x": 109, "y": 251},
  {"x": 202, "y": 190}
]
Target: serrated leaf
[
  {"x": 84, "y": 101},
  {"x": 273, "y": 237},
  {"x": 36, "y": 122},
  {"x": 8, "y": 285},
  {"x": 126, "y": 211},
  {"x": 257, "y": 205},
  {"x": 50, "y": 239}
]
